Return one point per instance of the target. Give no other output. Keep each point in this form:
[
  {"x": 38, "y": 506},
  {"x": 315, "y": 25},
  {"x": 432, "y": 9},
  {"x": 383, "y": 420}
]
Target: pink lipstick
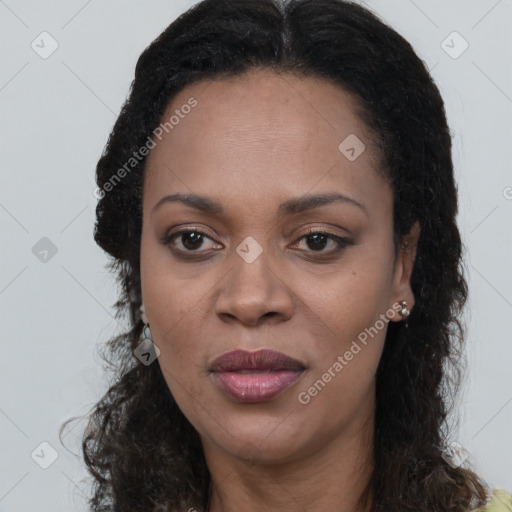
[{"x": 251, "y": 377}]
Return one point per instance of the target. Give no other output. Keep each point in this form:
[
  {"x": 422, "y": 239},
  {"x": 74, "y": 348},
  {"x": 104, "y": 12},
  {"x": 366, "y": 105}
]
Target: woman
[{"x": 278, "y": 199}]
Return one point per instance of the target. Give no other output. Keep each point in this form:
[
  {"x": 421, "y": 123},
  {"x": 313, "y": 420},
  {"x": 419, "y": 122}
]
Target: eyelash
[{"x": 341, "y": 241}]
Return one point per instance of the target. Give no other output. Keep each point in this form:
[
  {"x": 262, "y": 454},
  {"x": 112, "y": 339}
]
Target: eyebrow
[{"x": 289, "y": 207}]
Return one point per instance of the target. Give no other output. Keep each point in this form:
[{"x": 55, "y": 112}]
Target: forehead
[{"x": 264, "y": 135}]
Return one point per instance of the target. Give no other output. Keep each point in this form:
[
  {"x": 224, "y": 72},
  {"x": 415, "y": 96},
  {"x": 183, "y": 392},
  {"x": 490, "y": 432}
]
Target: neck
[{"x": 331, "y": 477}]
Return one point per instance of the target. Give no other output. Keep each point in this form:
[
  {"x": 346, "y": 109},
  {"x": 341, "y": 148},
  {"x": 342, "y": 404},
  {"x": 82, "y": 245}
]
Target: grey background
[{"x": 56, "y": 114}]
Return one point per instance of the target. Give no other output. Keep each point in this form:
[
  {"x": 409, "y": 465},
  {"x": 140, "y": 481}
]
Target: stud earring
[
  {"x": 405, "y": 312},
  {"x": 147, "y": 332},
  {"x": 143, "y": 314},
  {"x": 145, "y": 329}
]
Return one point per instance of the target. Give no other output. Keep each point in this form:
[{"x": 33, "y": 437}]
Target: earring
[
  {"x": 404, "y": 311},
  {"x": 145, "y": 329},
  {"x": 143, "y": 314},
  {"x": 147, "y": 332}
]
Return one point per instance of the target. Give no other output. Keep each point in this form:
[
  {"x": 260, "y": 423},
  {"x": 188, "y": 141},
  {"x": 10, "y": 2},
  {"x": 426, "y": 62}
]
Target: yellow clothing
[{"x": 501, "y": 502}]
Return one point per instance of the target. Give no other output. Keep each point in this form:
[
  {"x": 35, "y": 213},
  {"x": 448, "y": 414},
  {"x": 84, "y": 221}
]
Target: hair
[{"x": 141, "y": 451}]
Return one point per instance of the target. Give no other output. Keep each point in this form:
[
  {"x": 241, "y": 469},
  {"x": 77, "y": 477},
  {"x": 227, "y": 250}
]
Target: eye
[
  {"x": 317, "y": 240},
  {"x": 190, "y": 240}
]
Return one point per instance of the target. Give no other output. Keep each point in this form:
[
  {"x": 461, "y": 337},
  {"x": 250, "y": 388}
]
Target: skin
[{"x": 251, "y": 143}]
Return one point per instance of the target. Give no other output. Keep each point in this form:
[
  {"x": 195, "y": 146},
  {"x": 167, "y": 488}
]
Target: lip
[{"x": 250, "y": 377}]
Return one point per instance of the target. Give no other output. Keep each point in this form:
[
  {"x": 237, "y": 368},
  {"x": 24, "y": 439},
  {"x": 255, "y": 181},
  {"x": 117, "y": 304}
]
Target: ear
[{"x": 403, "y": 270}]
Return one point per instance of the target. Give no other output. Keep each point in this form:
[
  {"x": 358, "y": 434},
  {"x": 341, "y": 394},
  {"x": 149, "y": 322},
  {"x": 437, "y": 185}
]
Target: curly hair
[{"x": 141, "y": 451}]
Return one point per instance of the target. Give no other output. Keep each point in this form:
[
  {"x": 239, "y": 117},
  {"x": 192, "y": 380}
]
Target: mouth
[{"x": 251, "y": 377}]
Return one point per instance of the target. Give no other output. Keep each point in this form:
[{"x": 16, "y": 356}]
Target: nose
[{"x": 254, "y": 293}]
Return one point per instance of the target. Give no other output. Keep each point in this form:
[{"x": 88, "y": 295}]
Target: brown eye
[
  {"x": 192, "y": 240},
  {"x": 317, "y": 241},
  {"x": 188, "y": 241}
]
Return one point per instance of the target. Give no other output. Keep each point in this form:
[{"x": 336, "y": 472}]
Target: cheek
[
  {"x": 177, "y": 330},
  {"x": 169, "y": 307},
  {"x": 179, "y": 312},
  {"x": 342, "y": 375},
  {"x": 346, "y": 302},
  {"x": 181, "y": 360},
  {"x": 350, "y": 309},
  {"x": 335, "y": 399},
  {"x": 171, "y": 302}
]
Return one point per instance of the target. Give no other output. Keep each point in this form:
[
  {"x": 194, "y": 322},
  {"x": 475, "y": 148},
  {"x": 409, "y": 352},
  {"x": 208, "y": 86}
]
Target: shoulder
[{"x": 501, "y": 502}]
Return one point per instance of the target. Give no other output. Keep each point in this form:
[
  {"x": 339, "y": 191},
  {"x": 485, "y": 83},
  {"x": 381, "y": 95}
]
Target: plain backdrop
[{"x": 57, "y": 306}]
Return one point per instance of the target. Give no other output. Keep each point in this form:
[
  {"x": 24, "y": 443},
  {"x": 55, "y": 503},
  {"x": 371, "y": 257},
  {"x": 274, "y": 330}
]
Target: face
[{"x": 257, "y": 264}]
